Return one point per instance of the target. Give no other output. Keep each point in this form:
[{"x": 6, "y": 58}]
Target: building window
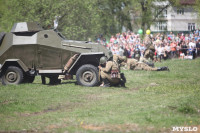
[
  {"x": 191, "y": 26},
  {"x": 165, "y": 13},
  {"x": 161, "y": 26},
  {"x": 180, "y": 11},
  {"x": 161, "y": 14}
]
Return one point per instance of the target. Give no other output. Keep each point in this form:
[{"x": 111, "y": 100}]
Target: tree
[
  {"x": 196, "y": 7},
  {"x": 83, "y": 19},
  {"x": 115, "y": 15},
  {"x": 79, "y": 19},
  {"x": 147, "y": 12}
]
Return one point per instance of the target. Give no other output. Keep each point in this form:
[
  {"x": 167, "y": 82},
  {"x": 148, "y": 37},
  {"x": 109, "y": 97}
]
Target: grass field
[{"x": 152, "y": 101}]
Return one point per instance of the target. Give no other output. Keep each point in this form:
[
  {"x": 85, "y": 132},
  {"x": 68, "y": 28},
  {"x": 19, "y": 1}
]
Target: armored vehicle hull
[{"x": 28, "y": 50}]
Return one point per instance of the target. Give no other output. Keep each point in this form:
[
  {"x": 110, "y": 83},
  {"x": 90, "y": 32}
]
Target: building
[{"x": 176, "y": 19}]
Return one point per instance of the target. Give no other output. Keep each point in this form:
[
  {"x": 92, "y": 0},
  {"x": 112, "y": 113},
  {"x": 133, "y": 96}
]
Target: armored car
[{"x": 29, "y": 50}]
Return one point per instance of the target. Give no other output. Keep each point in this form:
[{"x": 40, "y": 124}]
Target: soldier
[
  {"x": 137, "y": 54},
  {"x": 148, "y": 54},
  {"x": 110, "y": 73},
  {"x": 119, "y": 59},
  {"x": 133, "y": 64},
  {"x": 147, "y": 40}
]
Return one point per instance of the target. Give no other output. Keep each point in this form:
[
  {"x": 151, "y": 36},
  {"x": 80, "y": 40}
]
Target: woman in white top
[{"x": 160, "y": 52}]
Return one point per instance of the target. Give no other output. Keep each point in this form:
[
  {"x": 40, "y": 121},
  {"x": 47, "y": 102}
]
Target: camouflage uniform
[
  {"x": 133, "y": 64},
  {"x": 148, "y": 54},
  {"x": 118, "y": 59},
  {"x": 147, "y": 40},
  {"x": 106, "y": 72},
  {"x": 110, "y": 72}
]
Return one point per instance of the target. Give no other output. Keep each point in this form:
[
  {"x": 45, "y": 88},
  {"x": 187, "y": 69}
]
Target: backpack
[{"x": 115, "y": 73}]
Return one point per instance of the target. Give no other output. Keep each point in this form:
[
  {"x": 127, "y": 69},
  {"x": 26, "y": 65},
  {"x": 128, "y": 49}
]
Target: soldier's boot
[
  {"x": 106, "y": 83},
  {"x": 163, "y": 69},
  {"x": 123, "y": 77},
  {"x": 150, "y": 64},
  {"x": 122, "y": 83}
]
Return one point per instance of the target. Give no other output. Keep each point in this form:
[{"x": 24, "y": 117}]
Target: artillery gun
[{"x": 29, "y": 50}]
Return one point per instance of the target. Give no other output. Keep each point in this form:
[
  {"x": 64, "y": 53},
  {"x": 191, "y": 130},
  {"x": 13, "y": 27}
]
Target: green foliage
[
  {"x": 196, "y": 7},
  {"x": 186, "y": 109},
  {"x": 79, "y": 19},
  {"x": 146, "y": 12}
]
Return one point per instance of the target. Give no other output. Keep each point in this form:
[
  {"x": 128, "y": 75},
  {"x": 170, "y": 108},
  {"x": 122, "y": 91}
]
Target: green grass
[{"x": 152, "y": 101}]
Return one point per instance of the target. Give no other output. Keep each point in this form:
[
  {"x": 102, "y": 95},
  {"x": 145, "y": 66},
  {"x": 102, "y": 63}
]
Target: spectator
[
  {"x": 160, "y": 52},
  {"x": 112, "y": 39},
  {"x": 121, "y": 51},
  {"x": 183, "y": 49},
  {"x": 172, "y": 46},
  {"x": 192, "y": 46},
  {"x": 167, "y": 51},
  {"x": 198, "y": 47},
  {"x": 170, "y": 36},
  {"x": 173, "y": 49}
]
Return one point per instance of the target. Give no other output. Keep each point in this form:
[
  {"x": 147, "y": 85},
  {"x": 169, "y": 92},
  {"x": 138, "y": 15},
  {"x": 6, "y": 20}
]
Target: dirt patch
[
  {"x": 189, "y": 128},
  {"x": 7, "y": 102},
  {"x": 145, "y": 86},
  {"x": 67, "y": 107},
  {"x": 118, "y": 128},
  {"x": 93, "y": 97},
  {"x": 172, "y": 107},
  {"x": 123, "y": 128},
  {"x": 134, "y": 89},
  {"x": 153, "y": 84},
  {"x": 22, "y": 131},
  {"x": 51, "y": 127}
]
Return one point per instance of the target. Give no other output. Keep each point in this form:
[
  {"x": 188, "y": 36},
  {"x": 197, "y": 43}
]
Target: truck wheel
[
  {"x": 87, "y": 75},
  {"x": 28, "y": 79},
  {"x": 12, "y": 76}
]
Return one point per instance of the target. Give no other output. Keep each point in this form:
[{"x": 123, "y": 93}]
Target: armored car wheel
[
  {"x": 87, "y": 75},
  {"x": 12, "y": 76}
]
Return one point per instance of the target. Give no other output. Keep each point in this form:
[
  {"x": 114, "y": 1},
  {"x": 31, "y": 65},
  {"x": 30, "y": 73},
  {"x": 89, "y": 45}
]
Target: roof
[{"x": 187, "y": 2}]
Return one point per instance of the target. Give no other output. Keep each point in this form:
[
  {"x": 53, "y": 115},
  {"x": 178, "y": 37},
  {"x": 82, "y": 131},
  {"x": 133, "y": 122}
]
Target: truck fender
[
  {"x": 81, "y": 60},
  {"x": 13, "y": 62}
]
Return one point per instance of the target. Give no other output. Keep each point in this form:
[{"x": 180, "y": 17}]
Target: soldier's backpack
[{"x": 115, "y": 73}]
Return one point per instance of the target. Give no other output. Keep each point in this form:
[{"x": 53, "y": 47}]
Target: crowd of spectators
[{"x": 167, "y": 46}]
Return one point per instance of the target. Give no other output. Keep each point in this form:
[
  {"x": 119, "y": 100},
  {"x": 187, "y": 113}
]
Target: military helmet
[{"x": 103, "y": 60}]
